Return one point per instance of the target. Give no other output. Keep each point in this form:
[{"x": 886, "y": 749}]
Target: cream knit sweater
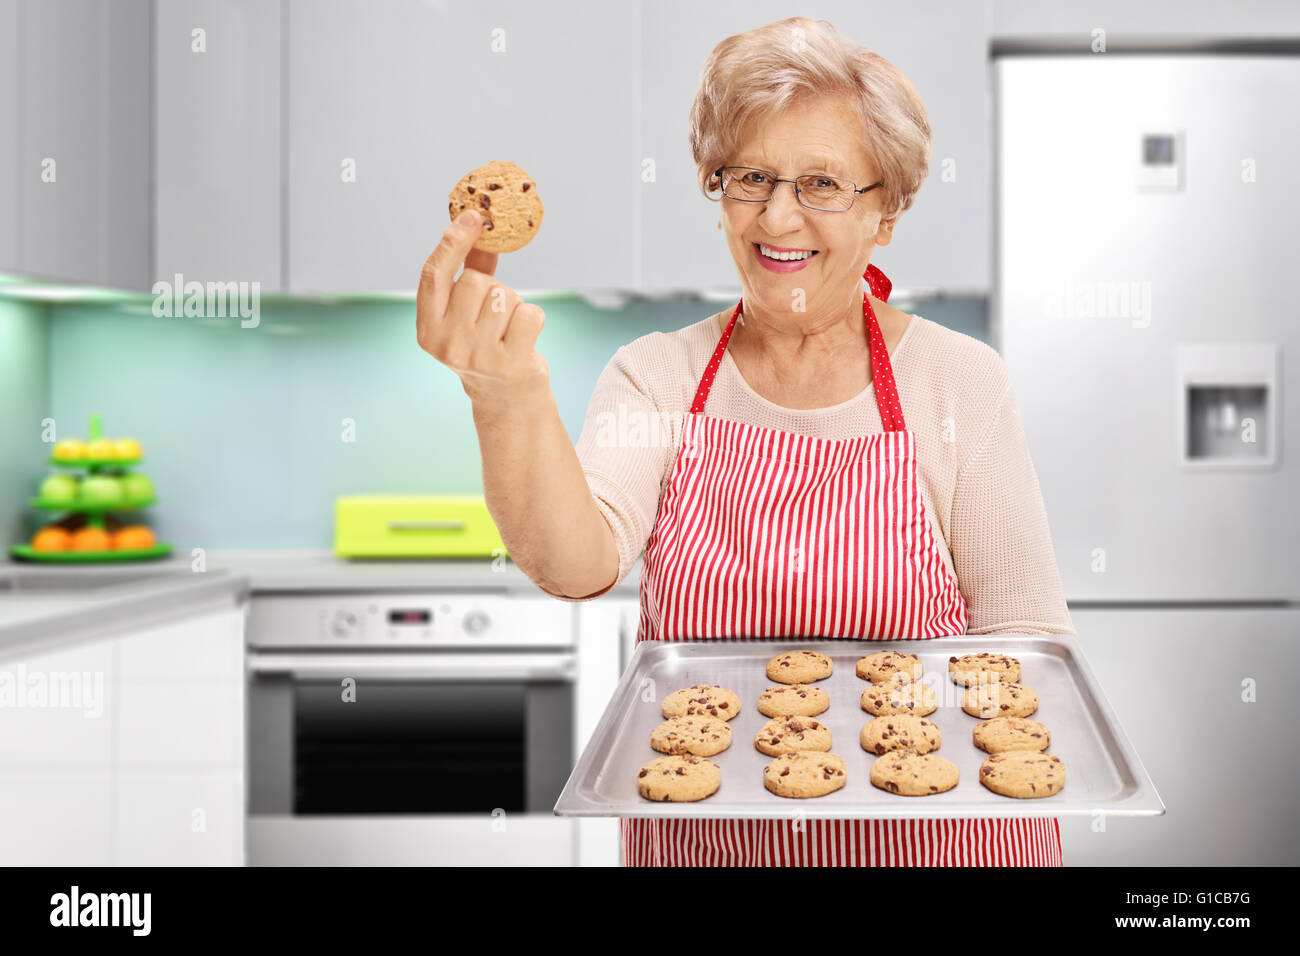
[{"x": 979, "y": 486}]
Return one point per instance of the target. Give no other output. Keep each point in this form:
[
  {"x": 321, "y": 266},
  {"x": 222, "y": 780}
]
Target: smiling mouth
[{"x": 784, "y": 255}]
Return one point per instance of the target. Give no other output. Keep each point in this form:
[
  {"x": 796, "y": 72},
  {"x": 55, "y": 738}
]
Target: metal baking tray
[{"x": 1103, "y": 772}]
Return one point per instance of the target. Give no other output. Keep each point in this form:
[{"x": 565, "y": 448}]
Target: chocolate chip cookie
[
  {"x": 912, "y": 774},
  {"x": 971, "y": 668},
  {"x": 804, "y": 774},
  {"x": 885, "y": 666},
  {"x": 799, "y": 667},
  {"x": 900, "y": 732},
  {"x": 802, "y": 700},
  {"x": 999, "y": 699},
  {"x": 704, "y": 700},
  {"x": 783, "y": 735},
  {"x": 506, "y": 197},
  {"x": 908, "y": 697},
  {"x": 1011, "y": 733},
  {"x": 1023, "y": 774},
  {"x": 679, "y": 779},
  {"x": 701, "y": 736}
]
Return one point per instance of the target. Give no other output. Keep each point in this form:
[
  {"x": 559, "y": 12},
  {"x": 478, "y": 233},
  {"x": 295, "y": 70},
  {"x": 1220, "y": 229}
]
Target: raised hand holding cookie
[{"x": 478, "y": 327}]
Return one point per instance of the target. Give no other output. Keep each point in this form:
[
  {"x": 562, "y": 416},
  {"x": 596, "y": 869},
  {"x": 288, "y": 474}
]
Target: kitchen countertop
[
  {"x": 307, "y": 570},
  {"x": 47, "y": 607},
  {"x": 44, "y": 606}
]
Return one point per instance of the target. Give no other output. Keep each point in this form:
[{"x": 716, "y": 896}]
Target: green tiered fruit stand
[{"x": 91, "y": 514}]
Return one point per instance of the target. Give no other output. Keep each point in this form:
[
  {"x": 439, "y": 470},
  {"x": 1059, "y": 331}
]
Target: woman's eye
[{"x": 756, "y": 177}]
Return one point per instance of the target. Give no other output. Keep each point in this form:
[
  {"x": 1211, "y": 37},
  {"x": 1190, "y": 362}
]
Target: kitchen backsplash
[
  {"x": 24, "y": 394},
  {"x": 250, "y": 434}
]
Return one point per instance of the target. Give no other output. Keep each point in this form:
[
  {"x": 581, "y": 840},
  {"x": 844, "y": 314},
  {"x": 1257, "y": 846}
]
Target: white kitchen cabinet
[
  {"x": 179, "y": 818},
  {"x": 943, "y": 240},
  {"x": 602, "y": 627},
  {"x": 179, "y": 789},
  {"x": 59, "y": 710},
  {"x": 391, "y": 103},
  {"x": 217, "y": 159},
  {"x": 10, "y": 206},
  {"x": 56, "y": 758},
  {"x": 175, "y": 723},
  {"x": 1224, "y": 767},
  {"x": 142, "y": 760},
  {"x": 75, "y": 89},
  {"x": 56, "y": 818}
]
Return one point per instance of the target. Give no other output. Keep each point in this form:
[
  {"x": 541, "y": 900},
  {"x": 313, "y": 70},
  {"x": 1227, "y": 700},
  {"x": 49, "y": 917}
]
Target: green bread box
[{"x": 415, "y": 526}]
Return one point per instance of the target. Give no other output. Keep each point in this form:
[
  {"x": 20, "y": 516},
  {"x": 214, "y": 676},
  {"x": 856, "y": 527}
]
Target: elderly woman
[{"x": 837, "y": 468}]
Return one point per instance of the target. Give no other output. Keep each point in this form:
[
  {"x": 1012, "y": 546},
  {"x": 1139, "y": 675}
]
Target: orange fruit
[
  {"x": 91, "y": 539},
  {"x": 51, "y": 538},
  {"x": 133, "y": 536}
]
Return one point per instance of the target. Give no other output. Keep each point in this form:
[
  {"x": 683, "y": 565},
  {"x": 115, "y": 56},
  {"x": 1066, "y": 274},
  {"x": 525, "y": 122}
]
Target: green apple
[
  {"x": 101, "y": 490},
  {"x": 136, "y": 487},
  {"x": 59, "y": 489}
]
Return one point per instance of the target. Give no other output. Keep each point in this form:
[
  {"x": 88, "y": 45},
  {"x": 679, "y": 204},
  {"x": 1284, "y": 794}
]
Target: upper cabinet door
[
  {"x": 9, "y": 112},
  {"x": 76, "y": 85},
  {"x": 391, "y": 103},
  {"x": 217, "y": 159},
  {"x": 942, "y": 241}
]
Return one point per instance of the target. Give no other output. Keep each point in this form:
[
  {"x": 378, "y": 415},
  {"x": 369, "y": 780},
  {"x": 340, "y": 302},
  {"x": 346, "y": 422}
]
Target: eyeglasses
[{"x": 822, "y": 193}]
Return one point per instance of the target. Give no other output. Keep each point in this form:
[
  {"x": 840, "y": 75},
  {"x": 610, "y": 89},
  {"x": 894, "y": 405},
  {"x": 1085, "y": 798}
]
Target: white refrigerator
[{"x": 1147, "y": 303}]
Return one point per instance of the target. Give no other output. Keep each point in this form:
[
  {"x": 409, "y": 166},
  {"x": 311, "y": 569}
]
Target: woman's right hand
[{"x": 479, "y": 328}]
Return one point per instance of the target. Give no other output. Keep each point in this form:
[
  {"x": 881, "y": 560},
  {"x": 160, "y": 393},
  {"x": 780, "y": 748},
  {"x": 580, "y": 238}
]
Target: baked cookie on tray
[
  {"x": 900, "y": 732},
  {"x": 907, "y": 697},
  {"x": 783, "y": 735},
  {"x": 701, "y": 736},
  {"x": 972, "y": 668},
  {"x": 705, "y": 700},
  {"x": 999, "y": 699},
  {"x": 1011, "y": 733},
  {"x": 912, "y": 774},
  {"x": 804, "y": 774},
  {"x": 793, "y": 700},
  {"x": 799, "y": 667},
  {"x": 680, "y": 778},
  {"x": 1023, "y": 774},
  {"x": 885, "y": 666}
]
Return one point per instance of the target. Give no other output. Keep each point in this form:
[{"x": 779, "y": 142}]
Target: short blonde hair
[{"x": 763, "y": 71}]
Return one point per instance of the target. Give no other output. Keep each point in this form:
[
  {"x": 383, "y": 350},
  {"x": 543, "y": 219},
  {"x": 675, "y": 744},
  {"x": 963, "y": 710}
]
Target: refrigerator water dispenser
[{"x": 1228, "y": 399}]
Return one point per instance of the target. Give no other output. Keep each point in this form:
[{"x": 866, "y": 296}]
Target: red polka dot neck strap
[{"x": 882, "y": 372}]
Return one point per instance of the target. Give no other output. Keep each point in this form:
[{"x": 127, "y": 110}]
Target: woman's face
[{"x": 818, "y": 136}]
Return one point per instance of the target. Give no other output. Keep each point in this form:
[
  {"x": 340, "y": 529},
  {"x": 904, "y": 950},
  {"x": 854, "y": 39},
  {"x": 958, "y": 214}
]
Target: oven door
[{"x": 393, "y": 757}]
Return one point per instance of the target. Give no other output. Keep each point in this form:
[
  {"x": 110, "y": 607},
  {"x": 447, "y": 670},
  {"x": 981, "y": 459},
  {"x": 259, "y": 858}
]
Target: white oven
[{"x": 410, "y": 728}]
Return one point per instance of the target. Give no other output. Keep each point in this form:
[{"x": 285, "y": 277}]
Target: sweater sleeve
[
  {"x": 1000, "y": 541},
  {"x": 626, "y": 447}
]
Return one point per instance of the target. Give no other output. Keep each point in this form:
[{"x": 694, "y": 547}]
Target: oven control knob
[
  {"x": 344, "y": 624},
  {"x": 475, "y": 622}
]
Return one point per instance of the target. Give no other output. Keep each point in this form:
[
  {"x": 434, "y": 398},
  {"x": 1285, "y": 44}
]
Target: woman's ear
[{"x": 885, "y": 231}]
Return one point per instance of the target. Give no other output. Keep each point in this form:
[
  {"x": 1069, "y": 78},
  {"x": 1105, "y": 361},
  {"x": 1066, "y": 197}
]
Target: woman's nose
[{"x": 784, "y": 205}]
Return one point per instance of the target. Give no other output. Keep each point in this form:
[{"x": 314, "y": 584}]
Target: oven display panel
[{"x": 417, "y": 616}]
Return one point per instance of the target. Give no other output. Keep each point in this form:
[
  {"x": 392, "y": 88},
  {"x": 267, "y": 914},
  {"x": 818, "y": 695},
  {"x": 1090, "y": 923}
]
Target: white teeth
[{"x": 783, "y": 256}]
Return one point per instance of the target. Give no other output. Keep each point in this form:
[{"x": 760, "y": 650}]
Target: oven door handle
[{"x": 408, "y": 666}]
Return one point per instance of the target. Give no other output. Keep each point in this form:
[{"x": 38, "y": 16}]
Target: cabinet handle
[{"x": 426, "y": 525}]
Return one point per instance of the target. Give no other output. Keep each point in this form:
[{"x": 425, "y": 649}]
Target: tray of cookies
[{"x": 1007, "y": 725}]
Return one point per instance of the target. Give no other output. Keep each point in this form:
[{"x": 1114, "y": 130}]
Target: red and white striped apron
[{"x": 765, "y": 533}]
